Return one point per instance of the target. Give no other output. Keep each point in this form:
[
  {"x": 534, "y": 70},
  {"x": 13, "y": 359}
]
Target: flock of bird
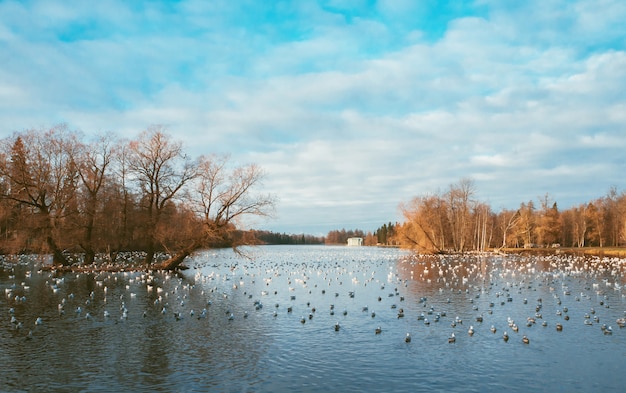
[{"x": 457, "y": 291}]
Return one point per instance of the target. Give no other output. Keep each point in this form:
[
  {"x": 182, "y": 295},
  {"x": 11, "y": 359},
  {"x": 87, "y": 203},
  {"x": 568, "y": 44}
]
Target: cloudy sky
[{"x": 350, "y": 106}]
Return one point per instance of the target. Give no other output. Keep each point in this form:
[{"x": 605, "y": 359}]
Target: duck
[
  {"x": 337, "y": 326},
  {"x": 452, "y": 338},
  {"x": 493, "y": 329},
  {"x": 559, "y": 327},
  {"x": 378, "y": 330},
  {"x": 470, "y": 331},
  {"x": 38, "y": 321},
  {"x": 525, "y": 340},
  {"x": 505, "y": 337},
  {"x": 407, "y": 338}
]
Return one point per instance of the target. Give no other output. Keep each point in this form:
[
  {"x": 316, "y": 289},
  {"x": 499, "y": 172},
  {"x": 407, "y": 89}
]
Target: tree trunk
[
  {"x": 149, "y": 255},
  {"x": 175, "y": 261},
  {"x": 57, "y": 255},
  {"x": 90, "y": 256}
]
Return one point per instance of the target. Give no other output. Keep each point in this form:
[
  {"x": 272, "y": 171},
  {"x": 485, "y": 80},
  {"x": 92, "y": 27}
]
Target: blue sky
[{"x": 350, "y": 106}]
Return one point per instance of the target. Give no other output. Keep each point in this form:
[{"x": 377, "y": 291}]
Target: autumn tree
[
  {"x": 548, "y": 225},
  {"x": 220, "y": 197},
  {"x": 41, "y": 178},
  {"x": 580, "y": 225},
  {"x": 508, "y": 221},
  {"x": 423, "y": 228},
  {"x": 92, "y": 161},
  {"x": 482, "y": 218},
  {"x": 160, "y": 169},
  {"x": 459, "y": 201},
  {"x": 613, "y": 217},
  {"x": 525, "y": 229}
]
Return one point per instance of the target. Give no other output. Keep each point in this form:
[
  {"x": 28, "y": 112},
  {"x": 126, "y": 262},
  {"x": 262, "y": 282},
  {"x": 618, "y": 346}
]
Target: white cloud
[{"x": 348, "y": 116}]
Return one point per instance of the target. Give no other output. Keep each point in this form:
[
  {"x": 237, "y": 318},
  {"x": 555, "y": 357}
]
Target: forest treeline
[
  {"x": 454, "y": 221},
  {"x": 61, "y": 193},
  {"x": 385, "y": 235},
  {"x": 268, "y": 237}
]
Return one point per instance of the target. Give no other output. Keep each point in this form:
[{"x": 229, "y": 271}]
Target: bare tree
[
  {"x": 423, "y": 229},
  {"x": 161, "y": 170},
  {"x": 41, "y": 178},
  {"x": 92, "y": 162},
  {"x": 220, "y": 198},
  {"x": 483, "y": 226},
  {"x": 459, "y": 202},
  {"x": 508, "y": 220}
]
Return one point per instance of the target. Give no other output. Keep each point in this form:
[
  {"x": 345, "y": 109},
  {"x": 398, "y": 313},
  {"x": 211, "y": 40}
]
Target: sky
[{"x": 351, "y": 107}]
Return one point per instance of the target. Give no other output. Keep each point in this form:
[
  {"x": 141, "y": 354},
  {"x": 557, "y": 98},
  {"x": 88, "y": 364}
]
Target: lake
[{"x": 306, "y": 319}]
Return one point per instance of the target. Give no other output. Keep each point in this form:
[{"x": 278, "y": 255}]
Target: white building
[{"x": 355, "y": 241}]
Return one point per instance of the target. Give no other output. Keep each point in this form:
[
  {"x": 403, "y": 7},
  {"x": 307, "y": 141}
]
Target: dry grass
[{"x": 617, "y": 252}]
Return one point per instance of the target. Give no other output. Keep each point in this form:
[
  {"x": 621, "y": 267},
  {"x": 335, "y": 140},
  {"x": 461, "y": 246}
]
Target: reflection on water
[{"x": 267, "y": 323}]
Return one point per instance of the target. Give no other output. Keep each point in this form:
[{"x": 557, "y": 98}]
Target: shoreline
[{"x": 611, "y": 252}]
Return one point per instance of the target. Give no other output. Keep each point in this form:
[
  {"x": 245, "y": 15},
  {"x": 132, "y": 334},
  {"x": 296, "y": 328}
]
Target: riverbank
[{"x": 611, "y": 252}]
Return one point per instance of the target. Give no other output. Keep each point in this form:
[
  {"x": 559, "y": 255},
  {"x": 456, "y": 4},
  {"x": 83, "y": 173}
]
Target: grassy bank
[{"x": 612, "y": 252}]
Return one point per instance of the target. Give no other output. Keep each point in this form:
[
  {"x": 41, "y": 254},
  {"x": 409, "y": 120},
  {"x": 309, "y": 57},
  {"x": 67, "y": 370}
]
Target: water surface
[{"x": 266, "y": 323}]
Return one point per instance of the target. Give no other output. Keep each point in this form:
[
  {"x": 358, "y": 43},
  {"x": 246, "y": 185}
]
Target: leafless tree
[
  {"x": 220, "y": 197},
  {"x": 160, "y": 169},
  {"x": 41, "y": 178}
]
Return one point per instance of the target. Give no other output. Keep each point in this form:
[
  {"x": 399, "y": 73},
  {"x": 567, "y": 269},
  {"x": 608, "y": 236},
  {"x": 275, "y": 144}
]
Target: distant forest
[
  {"x": 385, "y": 235},
  {"x": 454, "y": 221}
]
